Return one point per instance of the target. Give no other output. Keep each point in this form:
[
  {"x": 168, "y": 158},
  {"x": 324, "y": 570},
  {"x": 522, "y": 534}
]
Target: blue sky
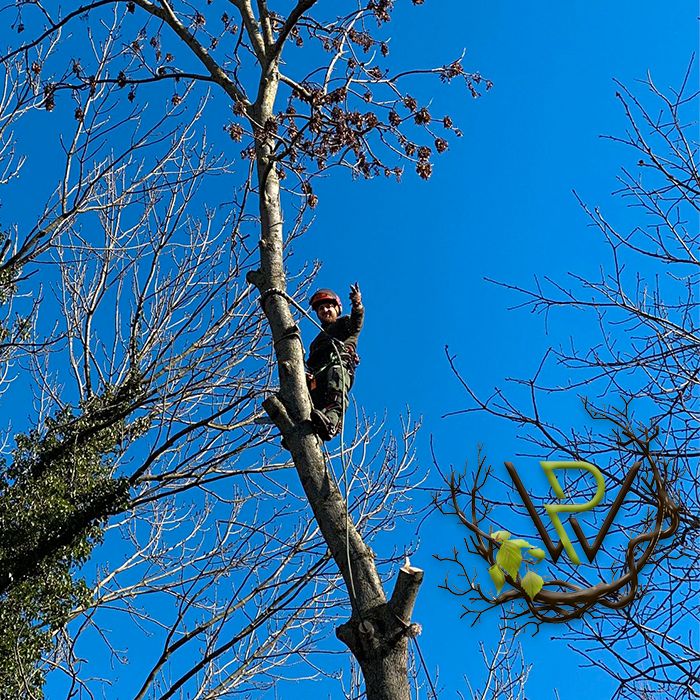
[{"x": 499, "y": 205}]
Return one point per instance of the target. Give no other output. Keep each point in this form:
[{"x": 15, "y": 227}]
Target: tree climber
[{"x": 333, "y": 358}]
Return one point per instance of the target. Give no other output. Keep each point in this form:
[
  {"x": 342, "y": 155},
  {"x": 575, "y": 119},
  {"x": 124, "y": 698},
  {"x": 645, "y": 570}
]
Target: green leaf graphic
[
  {"x": 532, "y": 583},
  {"x": 501, "y": 535},
  {"x": 497, "y": 576},
  {"x": 537, "y": 553},
  {"x": 509, "y": 558}
]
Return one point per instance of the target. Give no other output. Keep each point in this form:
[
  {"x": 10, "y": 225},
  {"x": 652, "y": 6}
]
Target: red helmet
[{"x": 322, "y": 295}]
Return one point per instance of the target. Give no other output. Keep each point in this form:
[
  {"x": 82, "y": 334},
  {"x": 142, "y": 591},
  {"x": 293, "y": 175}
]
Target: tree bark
[{"x": 377, "y": 632}]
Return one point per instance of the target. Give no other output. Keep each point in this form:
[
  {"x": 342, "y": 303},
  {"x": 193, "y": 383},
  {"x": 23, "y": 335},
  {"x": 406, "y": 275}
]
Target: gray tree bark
[{"x": 377, "y": 632}]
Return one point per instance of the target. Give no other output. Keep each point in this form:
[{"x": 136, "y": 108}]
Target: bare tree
[
  {"x": 639, "y": 386},
  {"x": 149, "y": 369},
  {"x": 506, "y": 670}
]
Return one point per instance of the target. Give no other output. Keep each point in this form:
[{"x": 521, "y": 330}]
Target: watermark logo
[
  {"x": 627, "y": 517},
  {"x": 554, "y": 510}
]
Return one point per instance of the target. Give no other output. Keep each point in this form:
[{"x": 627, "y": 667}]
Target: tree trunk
[
  {"x": 377, "y": 632},
  {"x": 378, "y": 639}
]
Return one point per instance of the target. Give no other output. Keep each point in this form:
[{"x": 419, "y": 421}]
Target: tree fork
[{"x": 379, "y": 641}]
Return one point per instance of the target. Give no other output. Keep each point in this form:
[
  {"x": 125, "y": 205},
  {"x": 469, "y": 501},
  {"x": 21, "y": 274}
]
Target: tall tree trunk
[{"x": 377, "y": 632}]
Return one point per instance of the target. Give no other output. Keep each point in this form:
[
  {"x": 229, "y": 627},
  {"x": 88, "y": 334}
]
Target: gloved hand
[{"x": 355, "y": 295}]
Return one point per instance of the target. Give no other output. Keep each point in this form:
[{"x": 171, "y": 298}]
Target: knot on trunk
[
  {"x": 377, "y": 634},
  {"x": 255, "y": 277}
]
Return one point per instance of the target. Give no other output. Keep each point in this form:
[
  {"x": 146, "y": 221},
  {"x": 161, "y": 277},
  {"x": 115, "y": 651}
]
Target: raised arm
[{"x": 357, "y": 315}]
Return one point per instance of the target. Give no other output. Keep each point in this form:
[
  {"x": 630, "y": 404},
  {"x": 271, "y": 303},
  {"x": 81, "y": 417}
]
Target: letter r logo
[{"x": 554, "y": 509}]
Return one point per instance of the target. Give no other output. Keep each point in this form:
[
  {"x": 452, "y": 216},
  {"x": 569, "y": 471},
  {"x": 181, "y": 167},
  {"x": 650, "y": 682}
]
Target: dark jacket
[{"x": 345, "y": 329}]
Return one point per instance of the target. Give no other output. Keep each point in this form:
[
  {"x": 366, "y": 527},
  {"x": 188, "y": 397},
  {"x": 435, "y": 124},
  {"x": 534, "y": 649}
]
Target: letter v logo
[{"x": 554, "y": 509}]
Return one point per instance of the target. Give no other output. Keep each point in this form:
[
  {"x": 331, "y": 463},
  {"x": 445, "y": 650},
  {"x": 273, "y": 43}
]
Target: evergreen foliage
[{"x": 55, "y": 496}]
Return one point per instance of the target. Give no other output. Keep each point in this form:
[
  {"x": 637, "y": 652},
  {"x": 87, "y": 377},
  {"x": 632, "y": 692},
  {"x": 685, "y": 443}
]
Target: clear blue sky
[{"x": 499, "y": 205}]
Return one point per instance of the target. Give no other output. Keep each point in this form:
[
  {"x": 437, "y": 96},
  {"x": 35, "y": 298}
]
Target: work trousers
[{"x": 330, "y": 396}]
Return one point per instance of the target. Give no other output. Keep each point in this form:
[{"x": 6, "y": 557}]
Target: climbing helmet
[{"x": 322, "y": 295}]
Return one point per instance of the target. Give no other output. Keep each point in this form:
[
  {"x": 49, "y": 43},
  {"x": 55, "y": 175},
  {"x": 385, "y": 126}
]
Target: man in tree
[{"x": 333, "y": 358}]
